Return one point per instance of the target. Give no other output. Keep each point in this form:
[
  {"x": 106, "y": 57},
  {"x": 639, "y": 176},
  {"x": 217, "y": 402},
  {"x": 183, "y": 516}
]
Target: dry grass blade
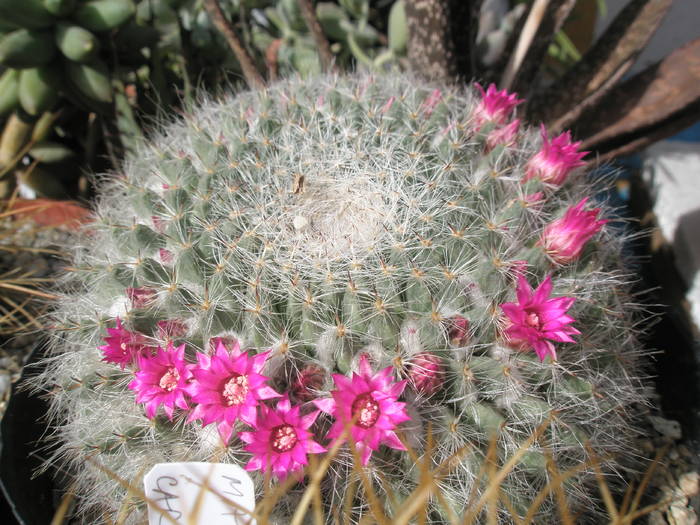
[
  {"x": 551, "y": 24},
  {"x": 604, "y": 489},
  {"x": 130, "y": 488},
  {"x": 372, "y": 498},
  {"x": 24, "y": 289},
  {"x": 503, "y": 497},
  {"x": 315, "y": 480},
  {"x": 495, "y": 482},
  {"x": 537, "y": 12},
  {"x": 645, "y": 480},
  {"x": 562, "y": 503},
  {"x": 31, "y": 320},
  {"x": 415, "y": 507},
  {"x": 547, "y": 489},
  {"x": 61, "y": 513}
]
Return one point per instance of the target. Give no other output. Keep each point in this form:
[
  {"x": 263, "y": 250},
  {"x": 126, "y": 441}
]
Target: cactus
[{"x": 359, "y": 226}]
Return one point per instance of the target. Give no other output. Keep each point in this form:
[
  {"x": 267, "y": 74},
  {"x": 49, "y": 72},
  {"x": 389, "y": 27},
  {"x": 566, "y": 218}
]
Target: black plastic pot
[{"x": 29, "y": 499}]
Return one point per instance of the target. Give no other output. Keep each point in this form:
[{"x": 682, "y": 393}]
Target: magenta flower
[
  {"x": 505, "y": 135},
  {"x": 535, "y": 320},
  {"x": 122, "y": 346},
  {"x": 426, "y": 373},
  {"x": 281, "y": 440},
  {"x": 372, "y": 401},
  {"x": 555, "y": 159},
  {"x": 227, "y": 387},
  {"x": 564, "y": 238},
  {"x": 495, "y": 106},
  {"x": 162, "y": 379}
]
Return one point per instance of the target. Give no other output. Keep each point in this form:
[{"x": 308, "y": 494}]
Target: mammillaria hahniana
[{"x": 366, "y": 246}]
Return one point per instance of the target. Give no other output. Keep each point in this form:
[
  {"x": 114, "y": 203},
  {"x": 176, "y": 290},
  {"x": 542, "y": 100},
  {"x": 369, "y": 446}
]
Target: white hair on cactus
[{"x": 318, "y": 221}]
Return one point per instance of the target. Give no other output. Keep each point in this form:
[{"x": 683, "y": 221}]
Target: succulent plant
[
  {"x": 46, "y": 41},
  {"x": 358, "y": 246}
]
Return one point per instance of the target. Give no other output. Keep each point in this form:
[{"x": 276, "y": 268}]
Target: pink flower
[
  {"x": 535, "y": 319},
  {"x": 162, "y": 379},
  {"x": 141, "y": 297},
  {"x": 458, "y": 331},
  {"x": 504, "y": 135},
  {"x": 426, "y": 373},
  {"x": 122, "y": 346},
  {"x": 309, "y": 379},
  {"x": 495, "y": 106},
  {"x": 227, "y": 387},
  {"x": 555, "y": 160},
  {"x": 431, "y": 101},
  {"x": 564, "y": 238},
  {"x": 281, "y": 440},
  {"x": 372, "y": 401}
]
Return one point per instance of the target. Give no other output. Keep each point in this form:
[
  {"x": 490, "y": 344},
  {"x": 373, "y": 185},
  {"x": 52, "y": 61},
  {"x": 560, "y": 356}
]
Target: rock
[
  {"x": 656, "y": 518},
  {"x": 5, "y": 384},
  {"x": 647, "y": 446},
  {"x": 684, "y": 451},
  {"x": 690, "y": 483},
  {"x": 681, "y": 515},
  {"x": 666, "y": 427}
]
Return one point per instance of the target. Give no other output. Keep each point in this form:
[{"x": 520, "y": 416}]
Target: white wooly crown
[{"x": 324, "y": 219}]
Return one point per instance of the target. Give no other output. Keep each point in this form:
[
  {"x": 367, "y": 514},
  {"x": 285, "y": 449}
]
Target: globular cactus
[{"x": 347, "y": 247}]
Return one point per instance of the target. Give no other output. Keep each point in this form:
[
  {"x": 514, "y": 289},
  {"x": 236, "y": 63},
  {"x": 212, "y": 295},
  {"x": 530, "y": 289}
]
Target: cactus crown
[{"x": 331, "y": 219}]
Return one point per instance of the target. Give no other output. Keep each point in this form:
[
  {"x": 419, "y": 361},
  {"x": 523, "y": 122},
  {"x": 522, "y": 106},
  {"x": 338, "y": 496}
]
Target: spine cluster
[{"x": 362, "y": 258}]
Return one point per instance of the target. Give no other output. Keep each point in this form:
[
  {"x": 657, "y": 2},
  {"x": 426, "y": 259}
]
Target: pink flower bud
[
  {"x": 431, "y": 102},
  {"x": 310, "y": 379},
  {"x": 387, "y": 106},
  {"x": 564, "y": 239},
  {"x": 504, "y": 135},
  {"x": 141, "y": 297},
  {"x": 228, "y": 341},
  {"x": 166, "y": 256},
  {"x": 171, "y": 329},
  {"x": 458, "y": 331},
  {"x": 158, "y": 223},
  {"x": 495, "y": 106},
  {"x": 555, "y": 160},
  {"x": 426, "y": 373}
]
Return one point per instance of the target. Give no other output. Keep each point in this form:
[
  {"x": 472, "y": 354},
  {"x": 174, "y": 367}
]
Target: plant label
[{"x": 194, "y": 493}]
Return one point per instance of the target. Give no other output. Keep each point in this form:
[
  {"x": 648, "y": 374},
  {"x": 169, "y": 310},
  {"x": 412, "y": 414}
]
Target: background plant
[{"x": 335, "y": 219}]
